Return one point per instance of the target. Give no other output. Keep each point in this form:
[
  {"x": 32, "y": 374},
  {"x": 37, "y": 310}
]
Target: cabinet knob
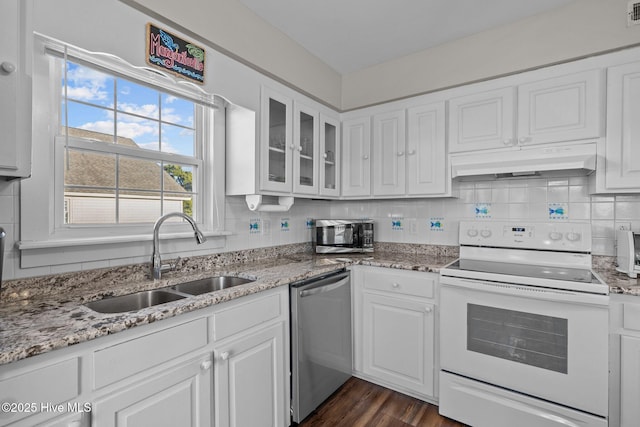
[
  {"x": 293, "y": 147},
  {"x": 325, "y": 155},
  {"x": 411, "y": 152},
  {"x": 524, "y": 139},
  {"x": 8, "y": 67},
  {"x": 395, "y": 285},
  {"x": 224, "y": 355},
  {"x": 365, "y": 157},
  {"x": 205, "y": 365},
  {"x": 300, "y": 148},
  {"x": 507, "y": 141},
  {"x": 428, "y": 309},
  {"x": 400, "y": 153}
]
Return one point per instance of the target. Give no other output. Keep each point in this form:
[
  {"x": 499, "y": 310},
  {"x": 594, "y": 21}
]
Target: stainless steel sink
[
  {"x": 132, "y": 302},
  {"x": 210, "y": 284}
]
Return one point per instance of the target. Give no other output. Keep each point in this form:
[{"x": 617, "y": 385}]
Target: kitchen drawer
[
  {"x": 631, "y": 316},
  {"x": 242, "y": 314},
  {"x": 53, "y": 384},
  {"x": 400, "y": 282},
  {"x": 131, "y": 357}
]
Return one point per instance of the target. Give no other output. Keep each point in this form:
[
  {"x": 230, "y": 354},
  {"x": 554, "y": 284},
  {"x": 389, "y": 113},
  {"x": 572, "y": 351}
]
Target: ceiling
[{"x": 355, "y": 34}]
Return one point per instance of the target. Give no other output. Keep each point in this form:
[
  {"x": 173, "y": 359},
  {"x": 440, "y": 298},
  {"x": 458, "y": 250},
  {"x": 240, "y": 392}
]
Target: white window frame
[{"x": 42, "y": 215}]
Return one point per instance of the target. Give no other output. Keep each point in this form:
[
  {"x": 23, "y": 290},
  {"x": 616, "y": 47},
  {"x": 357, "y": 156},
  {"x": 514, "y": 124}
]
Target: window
[
  {"x": 131, "y": 152},
  {"x": 115, "y": 147}
]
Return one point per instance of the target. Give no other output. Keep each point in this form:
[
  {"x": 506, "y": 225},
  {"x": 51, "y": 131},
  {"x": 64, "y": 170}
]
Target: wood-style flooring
[{"x": 359, "y": 403}]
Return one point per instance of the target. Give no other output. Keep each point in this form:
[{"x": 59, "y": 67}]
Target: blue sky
[{"x": 139, "y": 109}]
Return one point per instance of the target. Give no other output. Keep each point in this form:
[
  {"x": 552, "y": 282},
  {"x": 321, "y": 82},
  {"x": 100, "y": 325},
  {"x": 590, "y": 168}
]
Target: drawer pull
[
  {"x": 224, "y": 355},
  {"x": 205, "y": 365},
  {"x": 428, "y": 309},
  {"x": 395, "y": 285}
]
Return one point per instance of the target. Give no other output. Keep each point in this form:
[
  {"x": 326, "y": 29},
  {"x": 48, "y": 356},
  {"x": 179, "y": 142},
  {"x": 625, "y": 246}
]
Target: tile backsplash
[{"x": 423, "y": 221}]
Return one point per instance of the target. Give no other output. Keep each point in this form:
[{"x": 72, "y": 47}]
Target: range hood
[{"x": 575, "y": 158}]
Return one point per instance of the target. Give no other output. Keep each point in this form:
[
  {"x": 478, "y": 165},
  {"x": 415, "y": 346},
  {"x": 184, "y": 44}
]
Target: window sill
[{"x": 94, "y": 241}]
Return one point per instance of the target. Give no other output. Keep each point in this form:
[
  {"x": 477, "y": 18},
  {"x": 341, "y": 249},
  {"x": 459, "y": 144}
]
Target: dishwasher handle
[{"x": 328, "y": 287}]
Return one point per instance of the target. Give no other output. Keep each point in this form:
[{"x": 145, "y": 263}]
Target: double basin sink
[{"x": 144, "y": 299}]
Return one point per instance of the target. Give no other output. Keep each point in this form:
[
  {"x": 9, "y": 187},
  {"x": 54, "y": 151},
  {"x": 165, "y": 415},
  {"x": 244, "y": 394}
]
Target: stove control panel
[{"x": 565, "y": 236}]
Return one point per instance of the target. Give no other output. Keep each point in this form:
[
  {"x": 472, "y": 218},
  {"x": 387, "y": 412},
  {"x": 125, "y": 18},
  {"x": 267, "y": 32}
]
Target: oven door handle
[{"x": 526, "y": 291}]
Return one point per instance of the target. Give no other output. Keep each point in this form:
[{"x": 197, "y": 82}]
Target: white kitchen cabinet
[
  {"x": 482, "y": 120},
  {"x": 427, "y": 172},
  {"x": 179, "y": 396},
  {"x": 557, "y": 109},
  {"x": 276, "y": 142},
  {"x": 356, "y": 157},
  {"x": 565, "y": 108},
  {"x": 621, "y": 168},
  {"x": 330, "y": 156},
  {"x": 306, "y": 150},
  {"x": 394, "y": 334},
  {"x": 630, "y": 381},
  {"x": 250, "y": 379},
  {"x": 15, "y": 92},
  {"x": 389, "y": 159},
  {"x": 251, "y": 353}
]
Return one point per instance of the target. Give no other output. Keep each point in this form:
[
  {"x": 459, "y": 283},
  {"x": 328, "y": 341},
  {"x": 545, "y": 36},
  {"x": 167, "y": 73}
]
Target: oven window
[{"x": 528, "y": 338}]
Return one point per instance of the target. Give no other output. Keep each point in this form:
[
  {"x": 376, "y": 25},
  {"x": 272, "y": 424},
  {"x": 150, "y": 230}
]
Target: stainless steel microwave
[
  {"x": 342, "y": 236},
  {"x": 628, "y": 252}
]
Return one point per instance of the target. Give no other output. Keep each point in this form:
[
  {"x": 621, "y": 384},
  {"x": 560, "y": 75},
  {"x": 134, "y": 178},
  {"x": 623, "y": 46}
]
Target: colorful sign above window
[{"x": 171, "y": 53}]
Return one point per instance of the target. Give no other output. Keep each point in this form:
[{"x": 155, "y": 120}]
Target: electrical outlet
[{"x": 623, "y": 226}]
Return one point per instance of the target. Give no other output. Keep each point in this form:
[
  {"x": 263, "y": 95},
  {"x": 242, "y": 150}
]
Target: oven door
[{"x": 545, "y": 343}]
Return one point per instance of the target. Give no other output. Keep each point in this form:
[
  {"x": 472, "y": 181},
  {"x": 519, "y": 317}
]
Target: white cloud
[
  {"x": 125, "y": 129},
  {"x": 146, "y": 110},
  {"x": 85, "y": 84}
]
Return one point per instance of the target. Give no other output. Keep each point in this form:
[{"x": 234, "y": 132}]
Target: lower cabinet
[
  {"x": 395, "y": 324},
  {"x": 180, "y": 396},
  {"x": 250, "y": 380},
  {"x": 629, "y": 381}
]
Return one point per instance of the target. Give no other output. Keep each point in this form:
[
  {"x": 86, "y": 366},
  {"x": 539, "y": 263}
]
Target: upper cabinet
[
  {"x": 427, "y": 172},
  {"x": 389, "y": 166},
  {"x": 621, "y": 171},
  {"x": 330, "y": 156},
  {"x": 305, "y": 150},
  {"x": 356, "y": 161},
  {"x": 276, "y": 142},
  {"x": 15, "y": 92},
  {"x": 481, "y": 120},
  {"x": 557, "y": 109}
]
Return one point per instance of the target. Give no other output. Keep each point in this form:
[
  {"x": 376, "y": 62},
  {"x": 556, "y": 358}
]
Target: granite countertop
[{"x": 47, "y": 316}]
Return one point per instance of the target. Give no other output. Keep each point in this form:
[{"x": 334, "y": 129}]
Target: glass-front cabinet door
[
  {"x": 277, "y": 146},
  {"x": 305, "y": 153},
  {"x": 329, "y": 156}
]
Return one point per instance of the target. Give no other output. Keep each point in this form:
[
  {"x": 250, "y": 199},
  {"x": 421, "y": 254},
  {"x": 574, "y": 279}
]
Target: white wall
[{"x": 581, "y": 28}]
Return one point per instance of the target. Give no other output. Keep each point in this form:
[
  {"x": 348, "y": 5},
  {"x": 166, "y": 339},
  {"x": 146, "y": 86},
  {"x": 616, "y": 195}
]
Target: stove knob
[
  {"x": 554, "y": 235},
  {"x": 485, "y": 233},
  {"x": 472, "y": 232},
  {"x": 573, "y": 237}
]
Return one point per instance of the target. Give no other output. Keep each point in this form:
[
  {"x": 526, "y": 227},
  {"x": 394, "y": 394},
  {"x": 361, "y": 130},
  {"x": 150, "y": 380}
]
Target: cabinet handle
[
  {"x": 224, "y": 355},
  {"x": 205, "y": 365},
  {"x": 400, "y": 153},
  {"x": 395, "y": 286},
  {"x": 428, "y": 309},
  {"x": 366, "y": 157}
]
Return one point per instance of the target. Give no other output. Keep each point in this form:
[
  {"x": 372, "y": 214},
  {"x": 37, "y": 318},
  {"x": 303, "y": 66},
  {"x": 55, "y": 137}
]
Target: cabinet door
[
  {"x": 426, "y": 150},
  {"x": 389, "y": 141},
  {"x": 630, "y": 381},
  {"x": 250, "y": 374},
  {"x": 330, "y": 156},
  {"x": 564, "y": 108},
  {"x": 305, "y": 153},
  {"x": 276, "y": 144},
  {"x": 356, "y": 150},
  {"x": 482, "y": 120},
  {"x": 15, "y": 92},
  {"x": 398, "y": 342},
  {"x": 180, "y": 396},
  {"x": 622, "y": 156}
]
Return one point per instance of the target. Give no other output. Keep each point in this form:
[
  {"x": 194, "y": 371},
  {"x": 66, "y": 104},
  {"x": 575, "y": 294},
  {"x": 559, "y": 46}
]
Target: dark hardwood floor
[{"x": 359, "y": 403}]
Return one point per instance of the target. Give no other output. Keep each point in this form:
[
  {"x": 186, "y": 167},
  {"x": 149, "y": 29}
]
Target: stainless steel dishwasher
[{"x": 321, "y": 345}]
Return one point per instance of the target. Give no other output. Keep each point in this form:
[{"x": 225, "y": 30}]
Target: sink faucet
[{"x": 156, "y": 263}]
